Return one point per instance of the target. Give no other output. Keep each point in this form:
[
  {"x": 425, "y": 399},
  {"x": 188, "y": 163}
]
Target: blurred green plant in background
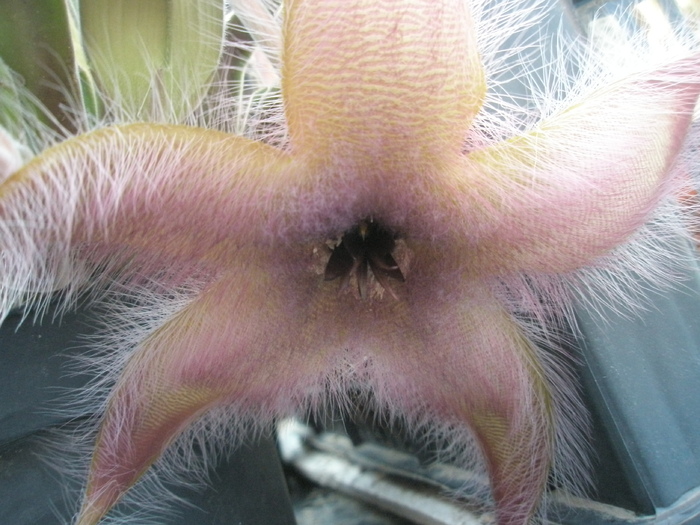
[
  {"x": 107, "y": 58},
  {"x": 36, "y": 43}
]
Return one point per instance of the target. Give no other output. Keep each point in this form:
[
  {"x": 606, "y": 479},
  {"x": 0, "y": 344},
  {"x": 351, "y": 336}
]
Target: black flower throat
[{"x": 365, "y": 247}]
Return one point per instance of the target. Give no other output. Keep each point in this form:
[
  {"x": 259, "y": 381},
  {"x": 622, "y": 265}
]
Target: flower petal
[
  {"x": 240, "y": 343},
  {"x": 469, "y": 366},
  {"x": 557, "y": 197},
  {"x": 392, "y": 82},
  {"x": 141, "y": 193}
]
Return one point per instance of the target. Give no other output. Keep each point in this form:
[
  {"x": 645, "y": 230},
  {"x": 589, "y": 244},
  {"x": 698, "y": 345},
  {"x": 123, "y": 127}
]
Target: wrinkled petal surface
[
  {"x": 139, "y": 193},
  {"x": 465, "y": 361},
  {"x": 395, "y": 82},
  {"x": 243, "y": 341},
  {"x": 556, "y": 198}
]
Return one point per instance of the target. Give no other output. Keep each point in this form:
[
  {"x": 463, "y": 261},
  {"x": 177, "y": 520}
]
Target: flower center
[{"x": 365, "y": 251}]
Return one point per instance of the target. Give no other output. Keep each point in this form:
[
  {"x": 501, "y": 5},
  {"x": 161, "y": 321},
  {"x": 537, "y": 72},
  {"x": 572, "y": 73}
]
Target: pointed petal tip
[
  {"x": 132, "y": 437},
  {"x": 194, "y": 362},
  {"x": 91, "y": 513},
  {"x": 595, "y": 171}
]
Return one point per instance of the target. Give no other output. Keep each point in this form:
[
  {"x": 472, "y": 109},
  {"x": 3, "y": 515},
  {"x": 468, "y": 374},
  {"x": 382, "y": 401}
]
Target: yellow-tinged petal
[
  {"x": 379, "y": 97},
  {"x": 383, "y": 84},
  {"x": 582, "y": 182},
  {"x": 140, "y": 193},
  {"x": 154, "y": 57}
]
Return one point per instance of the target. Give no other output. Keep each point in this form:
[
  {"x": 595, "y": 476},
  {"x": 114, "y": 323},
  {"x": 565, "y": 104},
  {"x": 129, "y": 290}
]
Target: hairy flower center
[{"x": 364, "y": 251}]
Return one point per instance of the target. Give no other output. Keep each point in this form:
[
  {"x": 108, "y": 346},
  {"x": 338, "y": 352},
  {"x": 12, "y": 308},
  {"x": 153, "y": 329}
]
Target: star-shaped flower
[{"x": 390, "y": 247}]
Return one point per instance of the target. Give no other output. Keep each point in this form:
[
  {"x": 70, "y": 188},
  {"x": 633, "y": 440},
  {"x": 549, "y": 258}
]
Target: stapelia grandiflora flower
[{"x": 398, "y": 243}]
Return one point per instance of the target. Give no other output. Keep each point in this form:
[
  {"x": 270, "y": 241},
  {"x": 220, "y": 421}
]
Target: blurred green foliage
[{"x": 35, "y": 42}]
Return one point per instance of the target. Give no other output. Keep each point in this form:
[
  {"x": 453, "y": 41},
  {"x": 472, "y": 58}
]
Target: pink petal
[
  {"x": 393, "y": 82},
  {"x": 139, "y": 194},
  {"x": 557, "y": 197},
  {"x": 464, "y": 362}
]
